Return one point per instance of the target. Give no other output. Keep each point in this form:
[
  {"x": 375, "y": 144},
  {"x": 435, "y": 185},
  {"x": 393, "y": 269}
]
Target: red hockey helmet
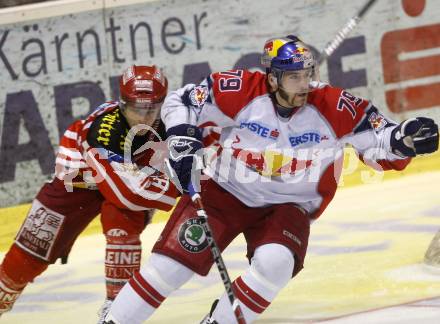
[{"x": 142, "y": 86}]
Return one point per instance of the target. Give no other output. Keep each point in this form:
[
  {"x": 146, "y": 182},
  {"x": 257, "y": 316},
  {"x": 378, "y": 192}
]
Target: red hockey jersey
[{"x": 92, "y": 155}]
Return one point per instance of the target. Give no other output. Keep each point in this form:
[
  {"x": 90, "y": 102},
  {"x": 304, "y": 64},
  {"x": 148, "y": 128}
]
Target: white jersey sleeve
[{"x": 214, "y": 102}]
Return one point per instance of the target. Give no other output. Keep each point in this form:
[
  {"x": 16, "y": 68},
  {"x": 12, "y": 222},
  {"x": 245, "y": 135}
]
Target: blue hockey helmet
[
  {"x": 292, "y": 56},
  {"x": 271, "y": 47}
]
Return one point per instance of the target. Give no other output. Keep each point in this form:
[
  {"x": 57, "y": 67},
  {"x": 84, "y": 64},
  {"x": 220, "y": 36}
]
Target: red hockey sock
[
  {"x": 21, "y": 267},
  {"x": 17, "y": 270},
  {"x": 122, "y": 259}
]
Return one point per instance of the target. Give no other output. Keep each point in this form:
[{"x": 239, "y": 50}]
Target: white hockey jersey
[{"x": 267, "y": 159}]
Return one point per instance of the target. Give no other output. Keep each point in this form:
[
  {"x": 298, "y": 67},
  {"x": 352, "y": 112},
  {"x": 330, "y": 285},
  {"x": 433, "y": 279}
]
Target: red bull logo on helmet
[
  {"x": 268, "y": 47},
  {"x": 271, "y": 49},
  {"x": 300, "y": 50}
]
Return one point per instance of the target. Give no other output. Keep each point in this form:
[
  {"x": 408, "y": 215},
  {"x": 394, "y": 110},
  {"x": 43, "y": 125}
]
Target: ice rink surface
[{"x": 364, "y": 265}]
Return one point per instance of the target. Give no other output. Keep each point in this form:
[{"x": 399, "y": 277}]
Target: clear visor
[
  {"x": 141, "y": 109},
  {"x": 141, "y": 114},
  {"x": 265, "y": 60},
  {"x": 298, "y": 81}
]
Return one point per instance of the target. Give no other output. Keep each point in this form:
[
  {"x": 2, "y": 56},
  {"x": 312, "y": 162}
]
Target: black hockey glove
[
  {"x": 183, "y": 142},
  {"x": 415, "y": 136}
]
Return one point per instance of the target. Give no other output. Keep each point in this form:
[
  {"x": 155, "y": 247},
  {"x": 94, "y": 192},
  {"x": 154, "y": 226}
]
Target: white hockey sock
[
  {"x": 147, "y": 289},
  {"x": 271, "y": 269}
]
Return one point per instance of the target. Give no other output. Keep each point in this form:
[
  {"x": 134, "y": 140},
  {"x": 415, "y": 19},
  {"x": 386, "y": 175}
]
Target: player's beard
[{"x": 293, "y": 100}]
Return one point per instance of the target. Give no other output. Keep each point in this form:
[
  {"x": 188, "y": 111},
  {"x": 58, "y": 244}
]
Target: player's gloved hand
[
  {"x": 183, "y": 142},
  {"x": 415, "y": 136}
]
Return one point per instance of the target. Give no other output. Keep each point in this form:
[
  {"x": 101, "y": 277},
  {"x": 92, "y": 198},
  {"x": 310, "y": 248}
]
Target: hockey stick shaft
[
  {"x": 216, "y": 254},
  {"x": 344, "y": 32}
]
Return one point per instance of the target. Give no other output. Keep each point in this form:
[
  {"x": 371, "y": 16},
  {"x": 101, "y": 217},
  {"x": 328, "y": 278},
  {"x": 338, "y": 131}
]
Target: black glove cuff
[
  {"x": 185, "y": 130},
  {"x": 398, "y": 147}
]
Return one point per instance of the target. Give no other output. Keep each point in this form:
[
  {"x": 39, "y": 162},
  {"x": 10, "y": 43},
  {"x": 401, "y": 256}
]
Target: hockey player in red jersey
[
  {"x": 281, "y": 150},
  {"x": 98, "y": 170}
]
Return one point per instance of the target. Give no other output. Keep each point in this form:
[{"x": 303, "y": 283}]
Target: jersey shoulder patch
[
  {"x": 373, "y": 120},
  {"x": 235, "y": 89},
  {"x": 196, "y": 97},
  {"x": 342, "y": 110}
]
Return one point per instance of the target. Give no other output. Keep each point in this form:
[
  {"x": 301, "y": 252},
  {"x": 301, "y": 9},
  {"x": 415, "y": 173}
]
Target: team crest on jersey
[
  {"x": 377, "y": 121},
  {"x": 198, "y": 96},
  {"x": 192, "y": 237}
]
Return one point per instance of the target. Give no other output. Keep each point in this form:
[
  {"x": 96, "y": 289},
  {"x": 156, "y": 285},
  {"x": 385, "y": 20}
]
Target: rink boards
[{"x": 364, "y": 265}]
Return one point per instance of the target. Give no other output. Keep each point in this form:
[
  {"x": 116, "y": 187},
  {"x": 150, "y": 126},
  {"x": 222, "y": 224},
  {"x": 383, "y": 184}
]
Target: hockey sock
[
  {"x": 17, "y": 270},
  {"x": 8, "y": 293},
  {"x": 147, "y": 289},
  {"x": 122, "y": 260},
  {"x": 270, "y": 270}
]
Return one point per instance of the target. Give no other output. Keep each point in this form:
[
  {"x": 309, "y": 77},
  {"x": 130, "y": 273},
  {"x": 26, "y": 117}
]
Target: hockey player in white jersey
[{"x": 281, "y": 142}]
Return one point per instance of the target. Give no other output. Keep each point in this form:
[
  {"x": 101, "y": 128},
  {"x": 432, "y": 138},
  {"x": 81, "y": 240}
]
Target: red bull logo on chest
[{"x": 270, "y": 163}]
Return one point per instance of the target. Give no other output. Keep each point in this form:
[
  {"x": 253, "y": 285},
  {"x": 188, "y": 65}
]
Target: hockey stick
[
  {"x": 216, "y": 254},
  {"x": 343, "y": 33},
  {"x": 194, "y": 190}
]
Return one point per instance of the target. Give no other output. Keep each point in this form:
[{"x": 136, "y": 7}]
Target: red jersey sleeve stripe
[
  {"x": 68, "y": 143},
  {"x": 386, "y": 165}
]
